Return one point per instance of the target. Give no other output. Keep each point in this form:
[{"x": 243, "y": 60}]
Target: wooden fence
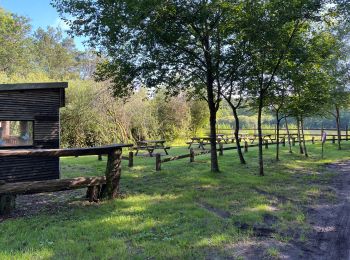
[
  {"x": 159, "y": 161},
  {"x": 308, "y": 132}
]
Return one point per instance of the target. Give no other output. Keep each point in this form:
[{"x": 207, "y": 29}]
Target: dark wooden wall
[{"x": 42, "y": 107}]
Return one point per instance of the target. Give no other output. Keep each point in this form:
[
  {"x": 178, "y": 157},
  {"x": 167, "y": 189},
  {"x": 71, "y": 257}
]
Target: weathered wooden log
[
  {"x": 175, "y": 158},
  {"x": 113, "y": 174},
  {"x": 63, "y": 152},
  {"x": 192, "y": 155},
  {"x": 93, "y": 193},
  {"x": 7, "y": 203},
  {"x": 50, "y": 185},
  {"x": 158, "y": 162}
]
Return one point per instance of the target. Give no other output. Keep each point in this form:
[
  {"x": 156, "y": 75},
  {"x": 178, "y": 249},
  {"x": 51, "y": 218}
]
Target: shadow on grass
[{"x": 183, "y": 211}]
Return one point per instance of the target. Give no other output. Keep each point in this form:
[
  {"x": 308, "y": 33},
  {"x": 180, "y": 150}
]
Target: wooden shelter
[{"x": 29, "y": 118}]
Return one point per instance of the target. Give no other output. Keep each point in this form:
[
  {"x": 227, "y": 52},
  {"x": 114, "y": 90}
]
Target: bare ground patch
[
  {"x": 329, "y": 237},
  {"x": 48, "y": 203}
]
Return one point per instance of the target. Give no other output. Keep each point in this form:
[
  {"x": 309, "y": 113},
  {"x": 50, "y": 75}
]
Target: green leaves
[{"x": 14, "y": 43}]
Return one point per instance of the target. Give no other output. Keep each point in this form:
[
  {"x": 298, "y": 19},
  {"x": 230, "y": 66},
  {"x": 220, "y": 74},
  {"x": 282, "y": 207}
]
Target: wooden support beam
[
  {"x": 7, "y": 203},
  {"x": 93, "y": 193},
  {"x": 113, "y": 173},
  {"x": 131, "y": 159},
  {"x": 158, "y": 162}
]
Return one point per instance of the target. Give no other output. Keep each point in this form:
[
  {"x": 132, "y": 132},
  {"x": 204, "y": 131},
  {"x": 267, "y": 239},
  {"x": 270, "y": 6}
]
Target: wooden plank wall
[{"x": 42, "y": 107}]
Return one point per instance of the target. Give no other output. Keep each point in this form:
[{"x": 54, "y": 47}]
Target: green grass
[{"x": 182, "y": 212}]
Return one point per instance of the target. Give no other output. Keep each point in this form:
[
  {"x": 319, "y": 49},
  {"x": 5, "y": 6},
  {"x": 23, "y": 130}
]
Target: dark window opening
[{"x": 16, "y": 133}]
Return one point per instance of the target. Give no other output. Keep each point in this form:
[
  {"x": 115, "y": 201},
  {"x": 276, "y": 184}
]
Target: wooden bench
[{"x": 98, "y": 187}]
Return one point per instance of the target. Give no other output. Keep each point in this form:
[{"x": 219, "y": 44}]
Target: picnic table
[
  {"x": 252, "y": 138},
  {"x": 202, "y": 141},
  {"x": 150, "y": 146}
]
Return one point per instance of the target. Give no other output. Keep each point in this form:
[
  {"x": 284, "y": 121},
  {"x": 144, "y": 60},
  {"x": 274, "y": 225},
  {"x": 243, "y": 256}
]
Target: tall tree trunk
[
  {"x": 213, "y": 152},
  {"x": 288, "y": 134},
  {"x": 337, "y": 118},
  {"x": 303, "y": 135},
  {"x": 277, "y": 137},
  {"x": 261, "y": 160},
  {"x": 239, "y": 148},
  {"x": 212, "y": 104},
  {"x": 299, "y": 138}
]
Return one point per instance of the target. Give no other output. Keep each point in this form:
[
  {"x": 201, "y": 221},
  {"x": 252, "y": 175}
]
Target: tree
[
  {"x": 14, "y": 43},
  {"x": 174, "y": 44},
  {"x": 55, "y": 54},
  {"x": 308, "y": 78},
  {"x": 234, "y": 93},
  {"x": 277, "y": 102},
  {"x": 199, "y": 115},
  {"x": 269, "y": 28},
  {"x": 338, "y": 69}
]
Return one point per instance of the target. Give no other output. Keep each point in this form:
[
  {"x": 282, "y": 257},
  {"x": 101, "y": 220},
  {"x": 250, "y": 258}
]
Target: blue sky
[{"x": 40, "y": 13}]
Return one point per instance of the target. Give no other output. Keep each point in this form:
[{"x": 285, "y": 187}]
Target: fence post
[
  {"x": 266, "y": 144},
  {"x": 245, "y": 146},
  {"x": 100, "y": 157},
  {"x": 333, "y": 139},
  {"x": 346, "y": 133},
  {"x": 131, "y": 159},
  {"x": 7, "y": 203},
  {"x": 191, "y": 155},
  {"x": 283, "y": 141},
  {"x": 221, "y": 149},
  {"x": 158, "y": 162},
  {"x": 293, "y": 141},
  {"x": 313, "y": 140}
]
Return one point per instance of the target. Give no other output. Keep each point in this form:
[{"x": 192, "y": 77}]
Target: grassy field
[{"x": 181, "y": 212}]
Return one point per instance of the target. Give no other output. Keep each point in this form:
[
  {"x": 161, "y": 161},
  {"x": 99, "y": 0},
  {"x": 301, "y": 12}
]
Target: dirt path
[
  {"x": 329, "y": 237},
  {"x": 331, "y": 222}
]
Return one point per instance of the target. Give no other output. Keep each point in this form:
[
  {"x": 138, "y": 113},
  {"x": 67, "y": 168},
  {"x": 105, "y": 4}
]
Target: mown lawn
[{"x": 182, "y": 212}]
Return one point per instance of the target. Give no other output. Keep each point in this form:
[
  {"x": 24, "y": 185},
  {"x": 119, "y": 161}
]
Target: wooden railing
[{"x": 245, "y": 146}]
